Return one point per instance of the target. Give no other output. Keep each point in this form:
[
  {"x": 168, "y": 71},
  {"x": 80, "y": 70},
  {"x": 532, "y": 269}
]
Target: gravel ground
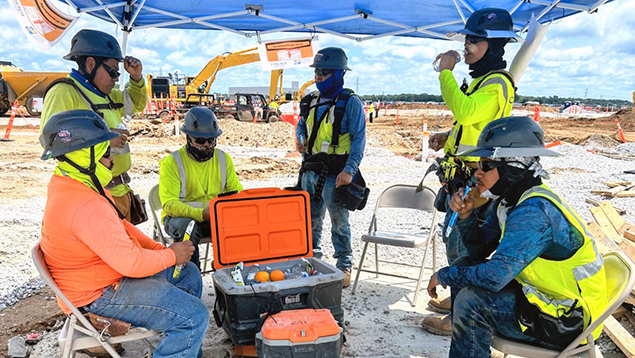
[{"x": 573, "y": 175}]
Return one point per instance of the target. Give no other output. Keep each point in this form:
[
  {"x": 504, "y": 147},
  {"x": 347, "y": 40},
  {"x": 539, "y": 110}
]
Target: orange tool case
[
  {"x": 306, "y": 333},
  {"x": 270, "y": 227}
]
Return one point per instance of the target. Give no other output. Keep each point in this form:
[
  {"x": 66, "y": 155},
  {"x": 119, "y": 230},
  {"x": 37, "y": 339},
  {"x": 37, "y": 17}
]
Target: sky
[{"x": 585, "y": 55}]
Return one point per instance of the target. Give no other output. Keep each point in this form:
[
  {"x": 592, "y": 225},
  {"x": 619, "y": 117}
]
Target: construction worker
[
  {"x": 371, "y": 111},
  {"x": 193, "y": 175},
  {"x": 545, "y": 280},
  {"x": 488, "y": 97},
  {"x": 102, "y": 263},
  {"x": 91, "y": 86},
  {"x": 331, "y": 132}
]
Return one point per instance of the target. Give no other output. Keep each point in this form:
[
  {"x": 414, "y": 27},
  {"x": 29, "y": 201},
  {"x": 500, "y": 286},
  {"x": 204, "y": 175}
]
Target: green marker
[{"x": 186, "y": 237}]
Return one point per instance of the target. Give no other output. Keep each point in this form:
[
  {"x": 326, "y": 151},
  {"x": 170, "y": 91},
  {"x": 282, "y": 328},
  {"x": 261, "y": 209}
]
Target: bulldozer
[{"x": 23, "y": 86}]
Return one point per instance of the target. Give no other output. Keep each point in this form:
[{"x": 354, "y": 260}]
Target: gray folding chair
[
  {"x": 401, "y": 196},
  {"x": 77, "y": 332},
  {"x": 159, "y": 234},
  {"x": 620, "y": 279}
]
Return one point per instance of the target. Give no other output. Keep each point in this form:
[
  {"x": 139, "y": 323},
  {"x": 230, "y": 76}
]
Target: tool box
[
  {"x": 270, "y": 227},
  {"x": 305, "y": 333}
]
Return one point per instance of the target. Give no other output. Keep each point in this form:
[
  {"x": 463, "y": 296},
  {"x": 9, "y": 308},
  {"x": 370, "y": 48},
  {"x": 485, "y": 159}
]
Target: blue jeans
[
  {"x": 160, "y": 302},
  {"x": 175, "y": 227},
  {"x": 340, "y": 228},
  {"x": 475, "y": 311}
]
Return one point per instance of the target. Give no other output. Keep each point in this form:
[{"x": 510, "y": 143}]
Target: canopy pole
[{"x": 124, "y": 75}]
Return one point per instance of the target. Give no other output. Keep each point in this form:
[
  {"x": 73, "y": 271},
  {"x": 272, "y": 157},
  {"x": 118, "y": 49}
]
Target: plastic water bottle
[
  {"x": 437, "y": 61},
  {"x": 296, "y": 271},
  {"x": 251, "y": 274}
]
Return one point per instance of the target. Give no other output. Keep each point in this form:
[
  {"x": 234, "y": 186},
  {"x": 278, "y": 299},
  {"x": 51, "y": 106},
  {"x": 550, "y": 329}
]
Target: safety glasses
[
  {"x": 202, "y": 141},
  {"x": 323, "y": 72},
  {"x": 487, "y": 165},
  {"x": 114, "y": 74},
  {"x": 475, "y": 39},
  {"x": 107, "y": 154}
]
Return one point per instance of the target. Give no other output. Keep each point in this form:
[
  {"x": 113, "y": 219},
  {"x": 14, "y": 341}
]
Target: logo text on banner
[{"x": 278, "y": 54}]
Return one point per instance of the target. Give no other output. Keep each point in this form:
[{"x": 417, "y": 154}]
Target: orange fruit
[
  {"x": 277, "y": 275},
  {"x": 262, "y": 276}
]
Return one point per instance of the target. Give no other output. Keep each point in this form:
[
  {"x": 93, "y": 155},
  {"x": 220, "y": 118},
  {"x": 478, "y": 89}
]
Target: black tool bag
[
  {"x": 138, "y": 213},
  {"x": 354, "y": 195}
]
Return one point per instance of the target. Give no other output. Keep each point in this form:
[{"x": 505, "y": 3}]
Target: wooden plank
[
  {"x": 631, "y": 300},
  {"x": 616, "y": 220},
  {"x": 620, "y": 336},
  {"x": 630, "y": 234},
  {"x": 628, "y": 248},
  {"x": 613, "y": 184},
  {"x": 619, "y": 312},
  {"x": 597, "y": 202},
  {"x": 605, "y": 224},
  {"x": 603, "y": 242},
  {"x": 625, "y": 194}
]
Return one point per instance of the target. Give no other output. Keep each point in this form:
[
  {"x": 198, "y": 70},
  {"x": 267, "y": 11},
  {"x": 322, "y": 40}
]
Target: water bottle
[
  {"x": 251, "y": 274},
  {"x": 296, "y": 271},
  {"x": 437, "y": 61}
]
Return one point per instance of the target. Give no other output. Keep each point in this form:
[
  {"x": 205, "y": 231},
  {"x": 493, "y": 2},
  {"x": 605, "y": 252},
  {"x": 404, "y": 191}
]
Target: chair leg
[
  {"x": 376, "y": 261},
  {"x": 68, "y": 346},
  {"x": 206, "y": 256},
  {"x": 359, "y": 269},
  {"x": 423, "y": 267}
]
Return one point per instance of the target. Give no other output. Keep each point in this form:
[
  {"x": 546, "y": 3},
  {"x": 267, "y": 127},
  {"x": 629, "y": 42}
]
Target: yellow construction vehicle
[
  {"x": 23, "y": 86},
  {"x": 297, "y": 95},
  {"x": 180, "y": 88}
]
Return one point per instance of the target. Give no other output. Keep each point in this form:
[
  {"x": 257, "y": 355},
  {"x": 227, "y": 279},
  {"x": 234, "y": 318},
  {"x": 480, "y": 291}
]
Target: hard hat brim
[
  {"x": 490, "y": 34},
  {"x": 502, "y": 152},
  {"x": 50, "y": 153}
]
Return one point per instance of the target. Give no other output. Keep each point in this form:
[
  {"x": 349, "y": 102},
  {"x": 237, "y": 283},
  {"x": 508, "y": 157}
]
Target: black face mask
[
  {"x": 492, "y": 59},
  {"x": 200, "y": 154}
]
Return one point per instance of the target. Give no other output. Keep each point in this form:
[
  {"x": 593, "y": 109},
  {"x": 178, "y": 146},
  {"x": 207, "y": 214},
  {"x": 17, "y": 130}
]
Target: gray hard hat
[
  {"x": 201, "y": 122},
  {"x": 510, "y": 137},
  {"x": 331, "y": 58},
  {"x": 73, "y": 130},
  {"x": 491, "y": 23},
  {"x": 94, "y": 43}
]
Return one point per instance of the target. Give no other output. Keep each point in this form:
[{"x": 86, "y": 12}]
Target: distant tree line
[{"x": 551, "y": 100}]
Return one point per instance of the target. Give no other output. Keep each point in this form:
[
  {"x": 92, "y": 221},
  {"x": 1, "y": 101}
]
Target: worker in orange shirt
[{"x": 102, "y": 263}]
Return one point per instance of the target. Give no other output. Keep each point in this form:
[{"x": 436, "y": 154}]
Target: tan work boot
[
  {"x": 347, "y": 280},
  {"x": 440, "y": 305},
  {"x": 101, "y": 351},
  {"x": 496, "y": 354},
  {"x": 441, "y": 325}
]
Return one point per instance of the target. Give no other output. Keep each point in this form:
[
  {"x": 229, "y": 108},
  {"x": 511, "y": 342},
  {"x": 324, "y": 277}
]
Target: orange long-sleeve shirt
[{"x": 88, "y": 248}]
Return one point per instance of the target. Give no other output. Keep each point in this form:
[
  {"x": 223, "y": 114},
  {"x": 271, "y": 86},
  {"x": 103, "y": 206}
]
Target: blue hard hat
[
  {"x": 94, "y": 43},
  {"x": 201, "y": 122},
  {"x": 331, "y": 58},
  {"x": 491, "y": 23}
]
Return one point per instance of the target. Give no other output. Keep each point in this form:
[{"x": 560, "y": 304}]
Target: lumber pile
[
  {"x": 617, "y": 189},
  {"x": 612, "y": 233}
]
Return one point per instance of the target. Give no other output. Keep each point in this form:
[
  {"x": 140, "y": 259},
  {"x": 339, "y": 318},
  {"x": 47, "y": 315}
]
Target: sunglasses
[
  {"x": 107, "y": 154},
  {"x": 323, "y": 72},
  {"x": 488, "y": 165},
  {"x": 475, "y": 39},
  {"x": 202, "y": 141},
  {"x": 114, "y": 74}
]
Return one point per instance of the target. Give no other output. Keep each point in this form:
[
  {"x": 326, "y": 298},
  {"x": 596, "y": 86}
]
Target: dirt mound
[
  {"x": 626, "y": 117},
  {"x": 600, "y": 141}
]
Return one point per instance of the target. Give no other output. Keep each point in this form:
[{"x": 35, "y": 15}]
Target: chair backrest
[
  {"x": 620, "y": 279},
  {"x": 154, "y": 198},
  {"x": 155, "y": 205},
  {"x": 405, "y": 196},
  {"x": 40, "y": 264}
]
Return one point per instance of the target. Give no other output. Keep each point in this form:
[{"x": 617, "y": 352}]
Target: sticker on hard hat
[{"x": 64, "y": 135}]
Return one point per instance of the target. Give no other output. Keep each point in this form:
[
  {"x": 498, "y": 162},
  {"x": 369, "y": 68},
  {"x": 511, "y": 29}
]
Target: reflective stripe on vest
[
  {"x": 554, "y": 285},
  {"x": 465, "y": 137},
  {"x": 325, "y": 131},
  {"x": 222, "y": 163}
]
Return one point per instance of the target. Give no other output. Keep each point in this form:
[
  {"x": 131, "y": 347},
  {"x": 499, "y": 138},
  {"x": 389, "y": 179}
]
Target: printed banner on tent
[
  {"x": 42, "y": 23},
  {"x": 280, "y": 54}
]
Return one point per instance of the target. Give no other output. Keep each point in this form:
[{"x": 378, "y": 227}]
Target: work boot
[
  {"x": 101, "y": 351},
  {"x": 440, "y": 305},
  {"x": 441, "y": 325},
  {"x": 496, "y": 354},
  {"x": 347, "y": 280}
]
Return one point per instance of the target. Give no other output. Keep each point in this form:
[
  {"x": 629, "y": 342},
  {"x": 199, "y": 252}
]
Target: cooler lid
[
  {"x": 303, "y": 325},
  {"x": 260, "y": 225}
]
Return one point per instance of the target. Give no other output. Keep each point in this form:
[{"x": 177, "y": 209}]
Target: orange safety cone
[
  {"x": 619, "y": 129},
  {"x": 397, "y": 121},
  {"x": 10, "y": 124},
  {"x": 296, "y": 115},
  {"x": 537, "y": 114}
]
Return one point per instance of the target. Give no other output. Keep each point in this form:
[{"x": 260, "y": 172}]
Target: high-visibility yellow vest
[
  {"x": 554, "y": 286},
  {"x": 463, "y": 137},
  {"x": 325, "y": 131}
]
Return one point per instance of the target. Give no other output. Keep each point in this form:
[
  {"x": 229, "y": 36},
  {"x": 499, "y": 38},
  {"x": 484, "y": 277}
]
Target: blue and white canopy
[{"x": 358, "y": 20}]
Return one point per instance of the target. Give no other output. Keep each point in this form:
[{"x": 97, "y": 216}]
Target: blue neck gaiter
[
  {"x": 84, "y": 81},
  {"x": 332, "y": 86}
]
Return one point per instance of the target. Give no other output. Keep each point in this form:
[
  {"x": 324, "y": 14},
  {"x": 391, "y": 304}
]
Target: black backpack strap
[
  {"x": 94, "y": 107},
  {"x": 340, "y": 108}
]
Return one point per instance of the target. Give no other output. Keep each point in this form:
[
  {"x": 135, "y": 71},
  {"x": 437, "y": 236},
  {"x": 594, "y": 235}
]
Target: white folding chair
[
  {"x": 402, "y": 196},
  {"x": 159, "y": 234},
  {"x": 620, "y": 279},
  {"x": 78, "y": 333}
]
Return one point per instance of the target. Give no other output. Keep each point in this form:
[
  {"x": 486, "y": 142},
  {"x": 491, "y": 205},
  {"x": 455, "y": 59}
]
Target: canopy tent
[{"x": 359, "y": 20}]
